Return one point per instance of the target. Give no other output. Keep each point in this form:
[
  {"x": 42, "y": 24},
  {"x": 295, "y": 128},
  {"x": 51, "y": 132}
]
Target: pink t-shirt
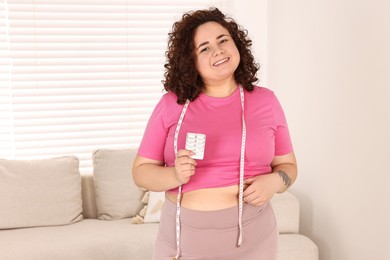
[{"x": 220, "y": 120}]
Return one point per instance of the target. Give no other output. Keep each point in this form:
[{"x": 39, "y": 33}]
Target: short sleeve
[
  {"x": 153, "y": 142},
  {"x": 283, "y": 144}
]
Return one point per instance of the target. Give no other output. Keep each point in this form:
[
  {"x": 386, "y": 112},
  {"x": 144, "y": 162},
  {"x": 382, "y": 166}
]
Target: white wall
[{"x": 329, "y": 63}]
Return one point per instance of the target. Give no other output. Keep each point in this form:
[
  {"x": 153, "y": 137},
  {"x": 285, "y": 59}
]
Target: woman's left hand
[{"x": 260, "y": 189}]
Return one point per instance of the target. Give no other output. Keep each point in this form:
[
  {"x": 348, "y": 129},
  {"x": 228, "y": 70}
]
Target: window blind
[{"x": 80, "y": 75}]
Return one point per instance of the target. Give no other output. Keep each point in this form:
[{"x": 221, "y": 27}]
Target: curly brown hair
[{"x": 181, "y": 76}]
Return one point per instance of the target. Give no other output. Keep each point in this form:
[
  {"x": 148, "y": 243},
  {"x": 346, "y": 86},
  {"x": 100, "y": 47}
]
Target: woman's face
[{"x": 216, "y": 54}]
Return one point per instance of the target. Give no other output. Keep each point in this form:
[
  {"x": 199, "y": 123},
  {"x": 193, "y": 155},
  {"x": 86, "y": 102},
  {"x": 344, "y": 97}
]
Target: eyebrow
[{"x": 204, "y": 43}]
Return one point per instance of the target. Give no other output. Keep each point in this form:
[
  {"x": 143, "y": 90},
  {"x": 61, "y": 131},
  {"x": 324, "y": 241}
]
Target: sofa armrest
[{"x": 286, "y": 208}]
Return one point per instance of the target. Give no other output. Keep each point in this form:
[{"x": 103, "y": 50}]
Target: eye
[
  {"x": 223, "y": 40},
  {"x": 204, "y": 49}
]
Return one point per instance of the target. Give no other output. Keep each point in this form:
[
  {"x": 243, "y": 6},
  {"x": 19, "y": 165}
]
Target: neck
[{"x": 220, "y": 90}]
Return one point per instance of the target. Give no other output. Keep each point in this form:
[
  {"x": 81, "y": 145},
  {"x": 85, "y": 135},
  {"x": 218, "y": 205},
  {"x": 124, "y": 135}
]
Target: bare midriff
[{"x": 208, "y": 199}]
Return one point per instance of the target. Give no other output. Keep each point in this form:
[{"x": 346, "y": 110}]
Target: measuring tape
[{"x": 242, "y": 159}]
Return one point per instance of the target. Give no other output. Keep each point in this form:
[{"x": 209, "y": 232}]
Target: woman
[{"x": 216, "y": 207}]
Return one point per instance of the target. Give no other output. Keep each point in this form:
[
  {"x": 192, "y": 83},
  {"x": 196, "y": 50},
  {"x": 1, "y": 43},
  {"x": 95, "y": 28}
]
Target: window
[{"x": 81, "y": 75}]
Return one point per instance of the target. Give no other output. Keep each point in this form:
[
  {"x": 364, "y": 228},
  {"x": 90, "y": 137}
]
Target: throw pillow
[
  {"x": 43, "y": 192},
  {"x": 155, "y": 203},
  {"x": 116, "y": 194},
  {"x": 151, "y": 212}
]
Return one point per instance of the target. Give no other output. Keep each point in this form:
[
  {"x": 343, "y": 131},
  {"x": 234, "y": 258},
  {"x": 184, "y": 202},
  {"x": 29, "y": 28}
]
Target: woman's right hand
[{"x": 184, "y": 166}]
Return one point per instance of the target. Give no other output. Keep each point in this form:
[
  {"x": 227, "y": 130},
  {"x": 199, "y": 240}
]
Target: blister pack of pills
[{"x": 196, "y": 143}]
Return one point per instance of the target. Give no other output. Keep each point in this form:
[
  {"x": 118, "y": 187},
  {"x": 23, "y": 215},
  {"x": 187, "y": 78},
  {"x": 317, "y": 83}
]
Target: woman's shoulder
[
  {"x": 169, "y": 96},
  {"x": 168, "y": 103},
  {"x": 169, "y": 99},
  {"x": 262, "y": 92},
  {"x": 167, "y": 108}
]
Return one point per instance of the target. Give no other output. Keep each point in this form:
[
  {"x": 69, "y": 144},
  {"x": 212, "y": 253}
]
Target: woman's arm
[
  {"x": 286, "y": 167},
  {"x": 153, "y": 175},
  {"x": 260, "y": 189}
]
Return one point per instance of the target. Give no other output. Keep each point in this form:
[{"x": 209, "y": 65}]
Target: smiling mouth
[{"x": 220, "y": 62}]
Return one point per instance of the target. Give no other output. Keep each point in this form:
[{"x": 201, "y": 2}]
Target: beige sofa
[{"x": 49, "y": 211}]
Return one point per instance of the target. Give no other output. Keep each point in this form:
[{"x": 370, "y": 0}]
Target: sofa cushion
[
  {"x": 90, "y": 239},
  {"x": 116, "y": 194},
  {"x": 118, "y": 239},
  {"x": 43, "y": 192}
]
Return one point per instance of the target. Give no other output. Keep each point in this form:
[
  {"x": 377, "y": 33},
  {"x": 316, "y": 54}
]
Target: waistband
[{"x": 215, "y": 219}]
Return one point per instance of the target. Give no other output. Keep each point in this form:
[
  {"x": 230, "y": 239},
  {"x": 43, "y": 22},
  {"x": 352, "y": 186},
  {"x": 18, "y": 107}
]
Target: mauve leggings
[{"x": 213, "y": 234}]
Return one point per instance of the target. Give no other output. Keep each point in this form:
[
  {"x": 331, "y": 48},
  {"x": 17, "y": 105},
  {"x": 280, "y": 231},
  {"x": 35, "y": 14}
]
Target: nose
[{"x": 218, "y": 51}]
